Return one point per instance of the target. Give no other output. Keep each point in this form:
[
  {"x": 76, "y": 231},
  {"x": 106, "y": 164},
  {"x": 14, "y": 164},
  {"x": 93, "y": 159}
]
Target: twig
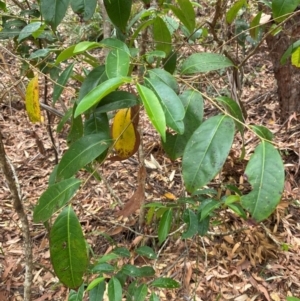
[
  {"x": 18, "y": 206},
  {"x": 278, "y": 243}
]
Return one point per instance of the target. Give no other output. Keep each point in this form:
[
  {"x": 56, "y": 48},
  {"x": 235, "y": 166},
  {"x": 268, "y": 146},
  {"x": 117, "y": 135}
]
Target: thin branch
[{"x": 10, "y": 176}]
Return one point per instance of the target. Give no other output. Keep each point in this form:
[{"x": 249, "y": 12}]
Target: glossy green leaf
[
  {"x": 86, "y": 8},
  {"x": 122, "y": 252},
  {"x": 117, "y": 100},
  {"x": 54, "y": 198},
  {"x": 97, "y": 123},
  {"x": 65, "y": 54},
  {"x": 118, "y": 12},
  {"x": 193, "y": 104},
  {"x": 114, "y": 290},
  {"x": 62, "y": 80},
  {"x": 209, "y": 208},
  {"x": 164, "y": 226},
  {"x": 97, "y": 293},
  {"x": 171, "y": 103},
  {"x": 28, "y": 30},
  {"x": 76, "y": 295},
  {"x": 146, "y": 252},
  {"x": 39, "y": 53},
  {"x": 206, "y": 151},
  {"x": 76, "y": 130},
  {"x": 154, "y": 297},
  {"x": 117, "y": 63},
  {"x": 84, "y": 46},
  {"x": 54, "y": 11},
  {"x": 238, "y": 209},
  {"x": 289, "y": 52},
  {"x": 262, "y": 132},
  {"x": 234, "y": 110},
  {"x": 140, "y": 292},
  {"x": 281, "y": 9},
  {"x": 265, "y": 173},
  {"x": 95, "y": 95},
  {"x": 108, "y": 257},
  {"x": 162, "y": 36},
  {"x": 68, "y": 249},
  {"x": 255, "y": 26},
  {"x": 185, "y": 13},
  {"x": 165, "y": 77},
  {"x": 165, "y": 283},
  {"x": 205, "y": 62},
  {"x": 103, "y": 268},
  {"x": 234, "y": 9},
  {"x": 93, "y": 79},
  {"x": 95, "y": 282},
  {"x": 133, "y": 271},
  {"x": 191, "y": 219},
  {"x": 116, "y": 44},
  {"x": 153, "y": 109},
  {"x": 80, "y": 153},
  {"x": 170, "y": 62}
]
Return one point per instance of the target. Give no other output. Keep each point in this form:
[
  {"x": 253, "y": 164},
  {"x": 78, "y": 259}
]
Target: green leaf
[
  {"x": 94, "y": 283},
  {"x": 76, "y": 296},
  {"x": 165, "y": 77},
  {"x": 164, "y": 225},
  {"x": 289, "y": 52},
  {"x": 265, "y": 173},
  {"x": 185, "y": 14},
  {"x": 3, "y": 6},
  {"x": 154, "y": 297},
  {"x": 122, "y": 252},
  {"x": 93, "y": 79},
  {"x": 234, "y": 110},
  {"x": 165, "y": 283},
  {"x": 234, "y": 9},
  {"x": 95, "y": 95},
  {"x": 97, "y": 293},
  {"x": 238, "y": 209},
  {"x": 114, "y": 44},
  {"x": 262, "y": 132},
  {"x": 281, "y": 9},
  {"x": 108, "y": 257},
  {"x": 39, "y": 53},
  {"x": 85, "y": 8},
  {"x": 62, "y": 80},
  {"x": 292, "y": 299},
  {"x": 96, "y": 124},
  {"x": 54, "y": 11},
  {"x": 170, "y": 62},
  {"x": 209, "y": 208},
  {"x": 68, "y": 249},
  {"x": 117, "y": 63},
  {"x": 203, "y": 226},
  {"x": 76, "y": 130},
  {"x": 171, "y": 104},
  {"x": 190, "y": 218},
  {"x": 205, "y": 62},
  {"x": 153, "y": 109},
  {"x": 162, "y": 36},
  {"x": 64, "y": 120},
  {"x": 206, "y": 151},
  {"x": 140, "y": 292},
  {"x": 117, "y": 100},
  {"x": 54, "y": 198},
  {"x": 118, "y": 12},
  {"x": 28, "y": 30},
  {"x": 255, "y": 26},
  {"x": 114, "y": 289},
  {"x": 103, "y": 268},
  {"x": 146, "y": 252},
  {"x": 133, "y": 271},
  {"x": 193, "y": 104},
  {"x": 80, "y": 153}
]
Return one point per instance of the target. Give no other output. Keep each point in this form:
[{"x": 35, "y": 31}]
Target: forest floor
[{"x": 238, "y": 260}]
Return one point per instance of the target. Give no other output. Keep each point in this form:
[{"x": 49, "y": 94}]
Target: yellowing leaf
[
  {"x": 170, "y": 196},
  {"x": 32, "y": 100},
  {"x": 296, "y": 57},
  {"x": 125, "y": 134}
]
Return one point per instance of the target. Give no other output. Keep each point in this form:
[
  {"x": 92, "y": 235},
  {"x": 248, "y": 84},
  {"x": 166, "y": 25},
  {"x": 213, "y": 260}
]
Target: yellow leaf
[
  {"x": 296, "y": 57},
  {"x": 125, "y": 134},
  {"x": 170, "y": 196},
  {"x": 32, "y": 100}
]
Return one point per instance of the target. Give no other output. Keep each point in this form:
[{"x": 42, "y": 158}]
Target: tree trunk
[{"x": 287, "y": 75}]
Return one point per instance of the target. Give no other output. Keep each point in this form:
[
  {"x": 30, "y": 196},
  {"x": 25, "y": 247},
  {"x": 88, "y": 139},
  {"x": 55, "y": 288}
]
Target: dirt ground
[{"x": 238, "y": 260}]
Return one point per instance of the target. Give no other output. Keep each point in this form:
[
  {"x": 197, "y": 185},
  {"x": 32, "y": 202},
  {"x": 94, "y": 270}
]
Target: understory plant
[{"x": 143, "y": 73}]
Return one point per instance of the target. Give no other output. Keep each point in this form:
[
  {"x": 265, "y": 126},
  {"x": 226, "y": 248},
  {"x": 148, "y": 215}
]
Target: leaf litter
[{"x": 238, "y": 260}]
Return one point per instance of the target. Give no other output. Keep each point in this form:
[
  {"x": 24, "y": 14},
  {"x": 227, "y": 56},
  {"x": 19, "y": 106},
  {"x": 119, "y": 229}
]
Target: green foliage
[{"x": 173, "y": 104}]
